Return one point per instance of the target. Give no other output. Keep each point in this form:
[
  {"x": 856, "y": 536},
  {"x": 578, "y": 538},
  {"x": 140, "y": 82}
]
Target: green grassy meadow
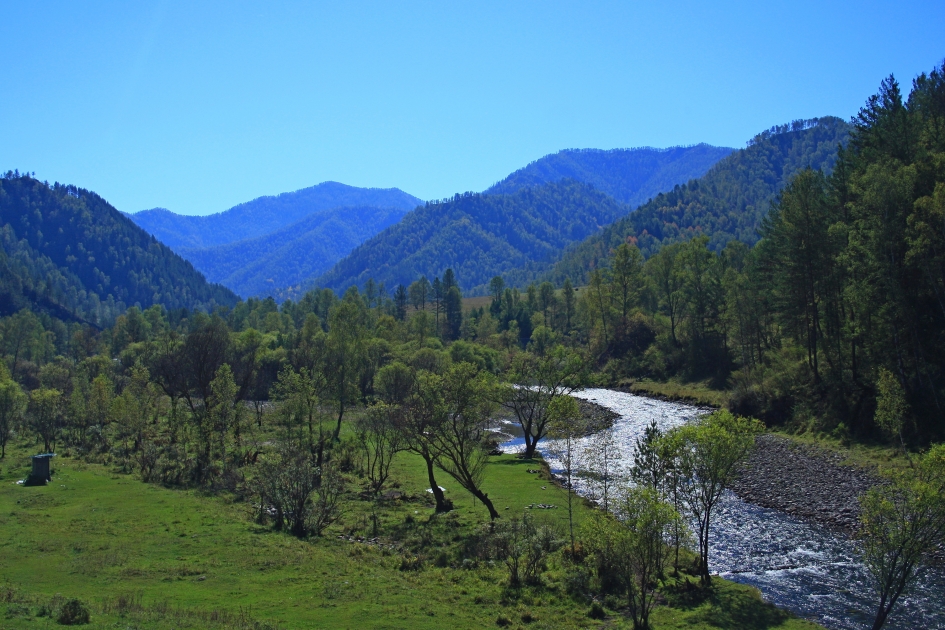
[{"x": 144, "y": 556}]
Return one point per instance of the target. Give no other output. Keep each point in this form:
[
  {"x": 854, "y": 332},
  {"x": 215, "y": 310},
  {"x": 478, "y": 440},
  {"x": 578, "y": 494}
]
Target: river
[{"x": 805, "y": 568}]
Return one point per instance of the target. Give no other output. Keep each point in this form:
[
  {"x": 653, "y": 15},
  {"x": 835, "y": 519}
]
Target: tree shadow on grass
[
  {"x": 515, "y": 461},
  {"x": 725, "y": 605}
]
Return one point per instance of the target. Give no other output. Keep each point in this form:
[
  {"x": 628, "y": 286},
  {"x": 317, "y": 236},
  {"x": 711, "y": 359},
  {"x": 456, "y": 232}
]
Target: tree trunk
[
  {"x": 341, "y": 413},
  {"x": 881, "y": 615},
  {"x": 442, "y": 505},
  {"x": 530, "y": 445},
  {"x": 886, "y": 605},
  {"x": 486, "y": 501},
  {"x": 704, "y": 552}
]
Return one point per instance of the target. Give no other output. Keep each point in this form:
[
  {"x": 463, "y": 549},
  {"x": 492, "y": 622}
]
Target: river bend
[{"x": 803, "y": 567}]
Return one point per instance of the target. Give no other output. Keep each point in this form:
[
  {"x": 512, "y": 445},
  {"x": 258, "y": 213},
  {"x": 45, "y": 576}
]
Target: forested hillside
[
  {"x": 264, "y": 215},
  {"x": 478, "y": 235},
  {"x": 630, "y": 176},
  {"x": 728, "y": 203},
  {"x": 292, "y": 255},
  {"x": 66, "y": 252}
]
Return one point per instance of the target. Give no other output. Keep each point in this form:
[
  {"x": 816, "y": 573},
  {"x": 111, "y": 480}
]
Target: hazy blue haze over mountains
[
  {"x": 630, "y": 176},
  {"x": 282, "y": 240},
  {"x": 264, "y": 215},
  {"x": 66, "y": 252},
  {"x": 522, "y": 222},
  {"x": 293, "y": 255},
  {"x": 728, "y": 203}
]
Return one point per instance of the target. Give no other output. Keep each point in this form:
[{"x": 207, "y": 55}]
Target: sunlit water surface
[{"x": 805, "y": 568}]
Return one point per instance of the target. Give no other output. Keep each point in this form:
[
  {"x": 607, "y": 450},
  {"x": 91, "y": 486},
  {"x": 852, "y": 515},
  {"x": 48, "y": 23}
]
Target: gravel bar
[{"x": 804, "y": 481}]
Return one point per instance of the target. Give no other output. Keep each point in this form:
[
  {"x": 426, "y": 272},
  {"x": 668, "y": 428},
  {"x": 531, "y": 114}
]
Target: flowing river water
[{"x": 805, "y": 568}]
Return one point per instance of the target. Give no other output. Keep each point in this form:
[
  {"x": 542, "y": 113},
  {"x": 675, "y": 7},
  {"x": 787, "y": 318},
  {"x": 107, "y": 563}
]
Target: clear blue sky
[{"x": 198, "y": 106}]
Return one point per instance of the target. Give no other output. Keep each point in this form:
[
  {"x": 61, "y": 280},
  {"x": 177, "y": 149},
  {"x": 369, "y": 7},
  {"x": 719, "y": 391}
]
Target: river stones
[
  {"x": 803, "y": 481},
  {"x": 597, "y": 418}
]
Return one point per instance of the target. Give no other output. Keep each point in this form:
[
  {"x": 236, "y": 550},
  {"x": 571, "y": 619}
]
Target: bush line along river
[{"x": 805, "y": 567}]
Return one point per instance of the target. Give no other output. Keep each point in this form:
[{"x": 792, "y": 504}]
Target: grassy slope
[
  {"x": 878, "y": 457},
  {"x": 696, "y": 393},
  {"x": 147, "y": 556}
]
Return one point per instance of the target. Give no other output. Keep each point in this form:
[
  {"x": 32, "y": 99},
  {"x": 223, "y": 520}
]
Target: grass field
[{"x": 145, "y": 556}]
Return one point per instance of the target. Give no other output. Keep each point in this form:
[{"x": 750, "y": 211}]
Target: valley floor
[{"x": 141, "y": 555}]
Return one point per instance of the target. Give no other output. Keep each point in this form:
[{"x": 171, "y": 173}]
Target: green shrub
[
  {"x": 596, "y": 611},
  {"x": 411, "y": 563},
  {"x": 73, "y": 613},
  {"x": 577, "y": 581},
  {"x": 524, "y": 548},
  {"x": 17, "y": 610}
]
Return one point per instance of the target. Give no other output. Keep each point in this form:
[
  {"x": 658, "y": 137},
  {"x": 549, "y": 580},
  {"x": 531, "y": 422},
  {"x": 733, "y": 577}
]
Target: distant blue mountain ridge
[
  {"x": 279, "y": 245},
  {"x": 292, "y": 255},
  {"x": 281, "y": 240},
  {"x": 264, "y": 215}
]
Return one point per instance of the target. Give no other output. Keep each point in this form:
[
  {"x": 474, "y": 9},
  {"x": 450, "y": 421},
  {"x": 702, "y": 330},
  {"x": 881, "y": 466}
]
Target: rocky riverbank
[
  {"x": 596, "y": 417},
  {"x": 804, "y": 481}
]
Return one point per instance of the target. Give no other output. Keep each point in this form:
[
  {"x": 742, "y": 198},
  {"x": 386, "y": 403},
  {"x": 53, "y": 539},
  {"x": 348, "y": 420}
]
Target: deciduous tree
[
  {"x": 707, "y": 454},
  {"x": 902, "y": 522},
  {"x": 459, "y": 440},
  {"x": 12, "y": 405}
]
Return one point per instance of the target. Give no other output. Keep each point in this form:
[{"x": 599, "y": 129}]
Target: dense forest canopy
[
  {"x": 68, "y": 253},
  {"x": 478, "y": 235},
  {"x": 630, "y": 176},
  {"x": 834, "y": 320},
  {"x": 728, "y": 203},
  {"x": 853, "y": 267},
  {"x": 264, "y": 215}
]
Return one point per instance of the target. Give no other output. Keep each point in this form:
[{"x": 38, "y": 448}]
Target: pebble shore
[
  {"x": 804, "y": 481},
  {"x": 596, "y": 417}
]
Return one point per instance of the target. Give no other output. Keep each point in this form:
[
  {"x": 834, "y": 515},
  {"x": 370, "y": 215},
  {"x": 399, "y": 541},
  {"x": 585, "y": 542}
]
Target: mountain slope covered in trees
[
  {"x": 630, "y": 176},
  {"x": 728, "y": 203},
  {"x": 477, "y": 235},
  {"x": 264, "y": 215},
  {"x": 292, "y": 255},
  {"x": 66, "y": 252}
]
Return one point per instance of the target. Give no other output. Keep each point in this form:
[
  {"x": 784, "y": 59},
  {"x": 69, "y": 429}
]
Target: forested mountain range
[
  {"x": 618, "y": 179},
  {"x": 631, "y": 176},
  {"x": 728, "y": 203},
  {"x": 275, "y": 245},
  {"x": 478, "y": 235},
  {"x": 264, "y": 215},
  {"x": 66, "y": 252},
  {"x": 294, "y": 254}
]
